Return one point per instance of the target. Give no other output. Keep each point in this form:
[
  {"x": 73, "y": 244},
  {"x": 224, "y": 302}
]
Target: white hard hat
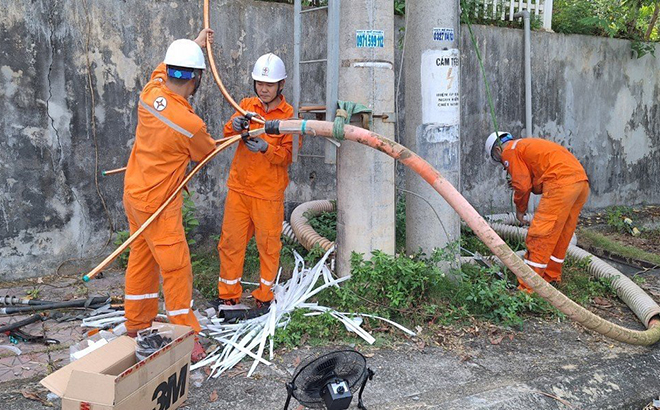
[
  {"x": 185, "y": 53},
  {"x": 269, "y": 68},
  {"x": 490, "y": 142}
]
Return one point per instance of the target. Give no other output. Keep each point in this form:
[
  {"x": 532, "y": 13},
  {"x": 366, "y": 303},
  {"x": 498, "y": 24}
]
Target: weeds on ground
[
  {"x": 312, "y": 330},
  {"x": 579, "y": 285},
  {"x": 600, "y": 241},
  {"x": 615, "y": 217},
  {"x": 206, "y": 270}
]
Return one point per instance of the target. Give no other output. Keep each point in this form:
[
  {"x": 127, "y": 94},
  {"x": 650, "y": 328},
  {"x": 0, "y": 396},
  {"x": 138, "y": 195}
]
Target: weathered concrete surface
[
  {"x": 51, "y": 205},
  {"x": 588, "y": 94}
]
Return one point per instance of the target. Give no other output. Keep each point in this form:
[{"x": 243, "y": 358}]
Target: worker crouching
[{"x": 543, "y": 167}]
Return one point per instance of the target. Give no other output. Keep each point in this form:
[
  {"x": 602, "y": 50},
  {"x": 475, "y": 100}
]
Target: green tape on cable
[{"x": 345, "y": 111}]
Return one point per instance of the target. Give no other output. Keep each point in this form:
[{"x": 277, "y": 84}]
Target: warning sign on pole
[{"x": 441, "y": 87}]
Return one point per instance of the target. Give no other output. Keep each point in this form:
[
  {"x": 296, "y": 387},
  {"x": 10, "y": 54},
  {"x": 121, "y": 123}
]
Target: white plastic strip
[{"x": 13, "y": 349}]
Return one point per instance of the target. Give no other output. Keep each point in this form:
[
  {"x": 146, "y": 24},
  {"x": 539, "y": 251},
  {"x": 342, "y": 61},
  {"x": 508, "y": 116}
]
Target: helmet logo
[
  {"x": 506, "y": 164},
  {"x": 265, "y": 71},
  {"x": 160, "y": 103}
]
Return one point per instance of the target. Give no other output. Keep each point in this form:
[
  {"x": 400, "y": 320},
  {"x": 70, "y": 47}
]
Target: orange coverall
[
  {"x": 168, "y": 136},
  {"x": 538, "y": 165},
  {"x": 255, "y": 205}
]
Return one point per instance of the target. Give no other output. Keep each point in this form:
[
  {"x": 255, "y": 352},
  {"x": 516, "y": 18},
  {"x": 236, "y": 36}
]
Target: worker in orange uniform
[
  {"x": 257, "y": 179},
  {"x": 543, "y": 167},
  {"x": 169, "y": 134}
]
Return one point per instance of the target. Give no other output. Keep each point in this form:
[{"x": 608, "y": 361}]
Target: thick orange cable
[{"x": 214, "y": 69}]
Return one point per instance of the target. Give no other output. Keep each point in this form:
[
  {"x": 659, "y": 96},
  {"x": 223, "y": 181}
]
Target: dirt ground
[{"x": 645, "y": 218}]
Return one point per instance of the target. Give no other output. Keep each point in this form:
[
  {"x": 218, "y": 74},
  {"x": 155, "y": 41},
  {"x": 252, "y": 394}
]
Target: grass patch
[{"x": 600, "y": 241}]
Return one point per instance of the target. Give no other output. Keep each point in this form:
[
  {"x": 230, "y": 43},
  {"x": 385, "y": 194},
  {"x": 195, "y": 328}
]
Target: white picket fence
[{"x": 505, "y": 9}]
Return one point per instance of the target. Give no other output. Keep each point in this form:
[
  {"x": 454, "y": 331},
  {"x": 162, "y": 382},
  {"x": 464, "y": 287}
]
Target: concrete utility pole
[
  {"x": 432, "y": 78},
  {"x": 365, "y": 177}
]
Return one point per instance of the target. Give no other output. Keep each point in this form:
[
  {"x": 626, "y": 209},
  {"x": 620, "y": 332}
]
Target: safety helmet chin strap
[{"x": 198, "y": 80}]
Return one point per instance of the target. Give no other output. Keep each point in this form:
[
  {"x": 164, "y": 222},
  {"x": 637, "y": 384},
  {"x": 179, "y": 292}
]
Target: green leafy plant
[
  {"x": 325, "y": 224},
  {"x": 615, "y": 217},
  {"x": 400, "y": 7},
  {"x": 206, "y": 269},
  {"x": 33, "y": 293},
  {"x": 312, "y": 330},
  {"x": 391, "y": 286},
  {"x": 121, "y": 237},
  {"x": 189, "y": 220}
]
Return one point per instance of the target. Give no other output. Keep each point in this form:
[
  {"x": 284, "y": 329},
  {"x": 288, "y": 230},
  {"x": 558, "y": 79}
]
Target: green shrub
[
  {"x": 122, "y": 259},
  {"x": 615, "y": 217},
  {"x": 312, "y": 330}
]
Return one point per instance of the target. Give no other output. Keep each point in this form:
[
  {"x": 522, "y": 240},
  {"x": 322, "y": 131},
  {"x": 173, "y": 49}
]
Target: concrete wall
[
  {"x": 50, "y": 202},
  {"x": 588, "y": 94}
]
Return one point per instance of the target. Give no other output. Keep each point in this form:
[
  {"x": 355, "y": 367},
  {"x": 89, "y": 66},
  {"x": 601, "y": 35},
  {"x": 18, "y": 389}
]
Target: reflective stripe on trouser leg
[
  {"x": 578, "y": 194},
  {"x": 237, "y": 229},
  {"x": 268, "y": 217},
  {"x": 141, "y": 280}
]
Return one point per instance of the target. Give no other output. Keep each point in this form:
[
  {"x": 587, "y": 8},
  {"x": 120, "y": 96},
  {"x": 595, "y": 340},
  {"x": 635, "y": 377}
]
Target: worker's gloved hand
[
  {"x": 257, "y": 145},
  {"x": 237, "y": 123},
  {"x": 520, "y": 216}
]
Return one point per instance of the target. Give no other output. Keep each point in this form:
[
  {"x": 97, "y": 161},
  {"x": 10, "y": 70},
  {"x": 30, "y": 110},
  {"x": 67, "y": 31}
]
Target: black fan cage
[{"x": 315, "y": 372}]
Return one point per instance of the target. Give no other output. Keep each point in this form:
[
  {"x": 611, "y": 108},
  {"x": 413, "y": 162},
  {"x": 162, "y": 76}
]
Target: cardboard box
[{"x": 111, "y": 378}]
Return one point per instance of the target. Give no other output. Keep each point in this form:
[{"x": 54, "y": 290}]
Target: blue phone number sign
[
  {"x": 369, "y": 38},
  {"x": 443, "y": 34}
]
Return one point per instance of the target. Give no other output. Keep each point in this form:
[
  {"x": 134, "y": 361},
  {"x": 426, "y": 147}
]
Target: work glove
[
  {"x": 257, "y": 145},
  {"x": 237, "y": 123}
]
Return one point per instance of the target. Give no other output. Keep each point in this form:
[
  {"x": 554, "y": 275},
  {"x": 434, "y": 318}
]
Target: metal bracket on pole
[{"x": 388, "y": 117}]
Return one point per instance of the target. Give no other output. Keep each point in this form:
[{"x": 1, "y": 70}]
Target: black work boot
[
  {"x": 262, "y": 305},
  {"x": 223, "y": 302}
]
